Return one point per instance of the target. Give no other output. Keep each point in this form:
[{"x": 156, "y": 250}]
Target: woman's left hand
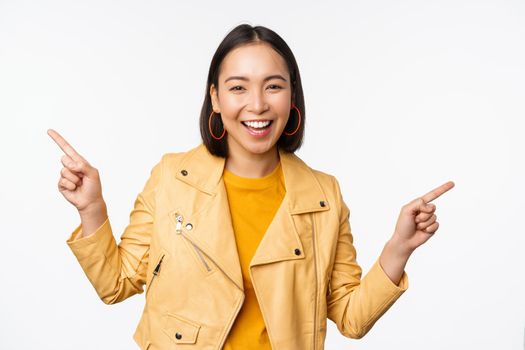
[{"x": 417, "y": 220}]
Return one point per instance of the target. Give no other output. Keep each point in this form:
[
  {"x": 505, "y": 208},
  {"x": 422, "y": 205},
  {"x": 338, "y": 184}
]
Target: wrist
[
  {"x": 96, "y": 209},
  {"x": 399, "y": 247},
  {"x": 92, "y": 217}
]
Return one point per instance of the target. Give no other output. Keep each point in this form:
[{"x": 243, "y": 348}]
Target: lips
[{"x": 258, "y": 132}]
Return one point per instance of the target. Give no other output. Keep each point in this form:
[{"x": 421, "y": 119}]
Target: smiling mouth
[
  {"x": 258, "y": 125},
  {"x": 258, "y": 128}
]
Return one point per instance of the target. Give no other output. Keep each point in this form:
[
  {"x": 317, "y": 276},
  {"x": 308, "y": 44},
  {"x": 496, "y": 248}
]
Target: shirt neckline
[{"x": 253, "y": 182}]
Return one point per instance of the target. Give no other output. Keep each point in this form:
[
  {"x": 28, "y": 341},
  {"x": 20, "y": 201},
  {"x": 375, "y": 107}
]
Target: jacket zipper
[
  {"x": 178, "y": 226},
  {"x": 178, "y": 229},
  {"x": 199, "y": 253},
  {"x": 315, "y": 269},
  {"x": 156, "y": 272}
]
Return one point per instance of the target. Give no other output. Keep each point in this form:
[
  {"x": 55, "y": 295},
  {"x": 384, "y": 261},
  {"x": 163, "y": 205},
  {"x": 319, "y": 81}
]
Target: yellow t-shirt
[{"x": 253, "y": 204}]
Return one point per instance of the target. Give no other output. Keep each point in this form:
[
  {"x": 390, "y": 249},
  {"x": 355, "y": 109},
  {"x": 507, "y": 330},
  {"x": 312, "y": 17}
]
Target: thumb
[
  {"x": 82, "y": 167},
  {"x": 419, "y": 205}
]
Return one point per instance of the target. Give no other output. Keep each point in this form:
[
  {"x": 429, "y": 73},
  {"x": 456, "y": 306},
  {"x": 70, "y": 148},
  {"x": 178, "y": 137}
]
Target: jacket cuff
[
  {"x": 378, "y": 274},
  {"x": 98, "y": 242}
]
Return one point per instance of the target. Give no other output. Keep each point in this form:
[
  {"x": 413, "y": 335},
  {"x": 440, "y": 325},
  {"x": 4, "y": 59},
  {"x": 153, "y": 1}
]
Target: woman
[{"x": 241, "y": 244}]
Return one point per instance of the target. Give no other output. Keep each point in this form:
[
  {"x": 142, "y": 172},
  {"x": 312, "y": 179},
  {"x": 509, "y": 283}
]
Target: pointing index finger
[
  {"x": 64, "y": 145},
  {"x": 438, "y": 191}
]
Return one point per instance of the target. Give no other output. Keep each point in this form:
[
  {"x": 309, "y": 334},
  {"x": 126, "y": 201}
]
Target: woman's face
[{"x": 254, "y": 85}]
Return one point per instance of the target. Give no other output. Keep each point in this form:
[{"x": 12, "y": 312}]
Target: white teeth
[{"x": 257, "y": 124}]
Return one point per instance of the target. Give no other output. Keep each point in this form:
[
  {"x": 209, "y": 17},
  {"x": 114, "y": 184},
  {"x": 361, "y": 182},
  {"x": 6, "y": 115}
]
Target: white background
[{"x": 401, "y": 96}]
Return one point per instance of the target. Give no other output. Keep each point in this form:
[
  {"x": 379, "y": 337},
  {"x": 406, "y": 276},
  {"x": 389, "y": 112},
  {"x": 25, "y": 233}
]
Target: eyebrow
[{"x": 270, "y": 77}]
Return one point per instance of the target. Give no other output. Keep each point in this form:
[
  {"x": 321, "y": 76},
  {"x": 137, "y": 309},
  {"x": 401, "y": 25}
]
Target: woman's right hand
[{"x": 79, "y": 182}]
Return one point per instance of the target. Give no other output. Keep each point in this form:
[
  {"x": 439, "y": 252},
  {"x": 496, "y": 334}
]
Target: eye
[
  {"x": 277, "y": 87},
  {"x": 235, "y": 88}
]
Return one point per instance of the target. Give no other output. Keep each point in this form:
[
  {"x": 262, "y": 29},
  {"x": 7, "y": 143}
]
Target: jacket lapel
[{"x": 212, "y": 228}]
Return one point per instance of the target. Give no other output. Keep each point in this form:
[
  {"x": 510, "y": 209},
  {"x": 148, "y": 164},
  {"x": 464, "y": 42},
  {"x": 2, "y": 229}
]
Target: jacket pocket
[
  {"x": 156, "y": 270},
  {"x": 180, "y": 329}
]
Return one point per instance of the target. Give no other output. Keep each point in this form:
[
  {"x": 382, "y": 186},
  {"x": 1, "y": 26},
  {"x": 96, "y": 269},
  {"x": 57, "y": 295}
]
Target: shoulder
[
  {"x": 327, "y": 181},
  {"x": 170, "y": 159},
  {"x": 324, "y": 178},
  {"x": 165, "y": 163},
  {"x": 332, "y": 190}
]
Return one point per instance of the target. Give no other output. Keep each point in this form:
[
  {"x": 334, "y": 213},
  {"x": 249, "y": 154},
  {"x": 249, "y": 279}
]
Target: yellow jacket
[{"x": 181, "y": 245}]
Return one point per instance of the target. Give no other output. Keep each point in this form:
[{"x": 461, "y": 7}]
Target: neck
[{"x": 252, "y": 165}]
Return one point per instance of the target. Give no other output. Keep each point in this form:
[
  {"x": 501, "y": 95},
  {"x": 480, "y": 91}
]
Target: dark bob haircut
[{"x": 241, "y": 35}]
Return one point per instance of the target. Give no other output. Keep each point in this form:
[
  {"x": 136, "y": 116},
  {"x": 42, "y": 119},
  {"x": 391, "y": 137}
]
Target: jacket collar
[
  {"x": 282, "y": 241},
  {"x": 304, "y": 194}
]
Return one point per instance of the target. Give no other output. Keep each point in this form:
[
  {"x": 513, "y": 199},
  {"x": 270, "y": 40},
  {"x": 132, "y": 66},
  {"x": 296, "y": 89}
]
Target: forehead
[{"x": 254, "y": 59}]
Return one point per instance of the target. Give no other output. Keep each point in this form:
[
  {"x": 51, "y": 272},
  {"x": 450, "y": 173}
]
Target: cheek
[
  {"x": 230, "y": 106},
  {"x": 230, "y": 110},
  {"x": 282, "y": 108},
  {"x": 280, "y": 101}
]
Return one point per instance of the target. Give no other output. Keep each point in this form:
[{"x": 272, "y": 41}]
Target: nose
[{"x": 257, "y": 103}]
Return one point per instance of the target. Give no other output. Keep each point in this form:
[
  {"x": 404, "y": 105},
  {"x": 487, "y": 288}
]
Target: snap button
[
  {"x": 189, "y": 226},
  {"x": 297, "y": 251},
  {"x": 322, "y": 203},
  {"x": 184, "y": 172},
  {"x": 178, "y": 335}
]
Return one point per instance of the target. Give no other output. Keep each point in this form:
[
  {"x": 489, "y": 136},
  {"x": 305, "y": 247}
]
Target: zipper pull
[
  {"x": 178, "y": 227},
  {"x": 157, "y": 268}
]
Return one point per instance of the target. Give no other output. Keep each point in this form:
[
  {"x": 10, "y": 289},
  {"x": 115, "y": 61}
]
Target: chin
[{"x": 257, "y": 148}]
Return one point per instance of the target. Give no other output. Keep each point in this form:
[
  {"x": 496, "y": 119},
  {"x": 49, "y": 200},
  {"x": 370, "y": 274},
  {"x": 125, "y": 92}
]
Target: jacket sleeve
[
  {"x": 355, "y": 304},
  {"x": 119, "y": 271}
]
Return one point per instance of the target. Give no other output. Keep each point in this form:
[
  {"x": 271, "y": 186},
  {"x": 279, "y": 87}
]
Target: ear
[{"x": 214, "y": 99}]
